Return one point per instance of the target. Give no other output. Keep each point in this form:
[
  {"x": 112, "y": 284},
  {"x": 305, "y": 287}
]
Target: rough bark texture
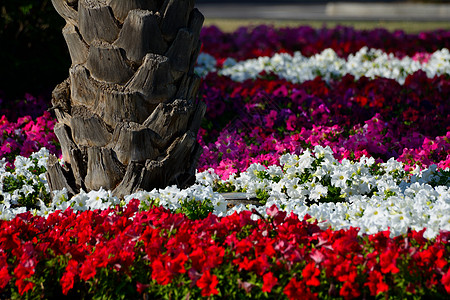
[{"x": 127, "y": 114}]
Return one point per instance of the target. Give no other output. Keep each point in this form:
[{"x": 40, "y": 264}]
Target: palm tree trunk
[{"x": 127, "y": 114}]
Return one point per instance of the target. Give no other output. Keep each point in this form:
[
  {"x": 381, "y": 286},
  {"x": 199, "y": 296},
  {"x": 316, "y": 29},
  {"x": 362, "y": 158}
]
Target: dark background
[{"x": 33, "y": 53}]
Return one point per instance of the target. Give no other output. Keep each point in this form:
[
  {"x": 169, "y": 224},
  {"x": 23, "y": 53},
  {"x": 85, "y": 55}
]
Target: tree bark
[{"x": 128, "y": 115}]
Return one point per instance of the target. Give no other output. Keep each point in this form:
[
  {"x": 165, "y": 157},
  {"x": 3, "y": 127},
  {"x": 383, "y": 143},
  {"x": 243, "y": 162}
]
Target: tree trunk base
[{"x": 127, "y": 114}]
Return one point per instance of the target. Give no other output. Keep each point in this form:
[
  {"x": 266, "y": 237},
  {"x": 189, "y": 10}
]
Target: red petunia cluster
[{"x": 155, "y": 251}]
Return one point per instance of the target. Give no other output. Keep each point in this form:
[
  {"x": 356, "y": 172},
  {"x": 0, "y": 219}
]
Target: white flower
[
  {"x": 42, "y": 157},
  {"x": 317, "y": 191},
  {"x": 22, "y": 163},
  {"x": 6, "y": 212},
  {"x": 27, "y": 189},
  {"x": 339, "y": 178},
  {"x": 207, "y": 178},
  {"x": 78, "y": 202}
]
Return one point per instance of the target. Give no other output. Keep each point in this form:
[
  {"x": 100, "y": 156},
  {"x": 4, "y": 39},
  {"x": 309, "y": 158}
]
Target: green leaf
[{"x": 26, "y": 9}]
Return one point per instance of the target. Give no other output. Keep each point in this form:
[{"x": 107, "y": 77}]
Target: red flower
[
  {"x": 446, "y": 281},
  {"x": 246, "y": 264},
  {"x": 197, "y": 258},
  {"x": 440, "y": 261},
  {"x": 214, "y": 257},
  {"x": 269, "y": 281},
  {"x": 376, "y": 284},
  {"x": 297, "y": 290},
  {"x": 67, "y": 279},
  {"x": 261, "y": 264},
  {"x": 160, "y": 274},
  {"x": 4, "y": 277},
  {"x": 207, "y": 283},
  {"x": 9, "y": 238},
  {"x": 243, "y": 246},
  {"x": 388, "y": 260},
  {"x": 349, "y": 290},
  {"x": 345, "y": 272},
  {"x": 88, "y": 270},
  {"x": 176, "y": 265},
  {"x": 310, "y": 273},
  {"x": 292, "y": 289},
  {"x": 23, "y": 274}
]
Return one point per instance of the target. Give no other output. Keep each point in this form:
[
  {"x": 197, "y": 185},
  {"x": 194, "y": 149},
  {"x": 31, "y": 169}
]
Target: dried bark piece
[
  {"x": 196, "y": 20},
  {"x": 194, "y": 57},
  {"x": 96, "y": 21},
  {"x": 134, "y": 142},
  {"x": 58, "y": 178},
  {"x": 78, "y": 49},
  {"x": 108, "y": 101},
  {"x": 83, "y": 90},
  {"x": 140, "y": 35},
  {"x": 116, "y": 106},
  {"x": 153, "y": 79},
  {"x": 193, "y": 87},
  {"x": 169, "y": 119},
  {"x": 188, "y": 87},
  {"x": 121, "y": 8},
  {"x": 88, "y": 129},
  {"x": 63, "y": 134},
  {"x": 71, "y": 153},
  {"x": 103, "y": 170},
  {"x": 61, "y": 96},
  {"x": 132, "y": 180},
  {"x": 180, "y": 50},
  {"x": 175, "y": 15},
  {"x": 174, "y": 166},
  {"x": 197, "y": 117},
  {"x": 107, "y": 63},
  {"x": 64, "y": 10}
]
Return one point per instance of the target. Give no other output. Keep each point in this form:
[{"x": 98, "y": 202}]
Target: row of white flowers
[
  {"x": 28, "y": 181},
  {"x": 327, "y": 64},
  {"x": 373, "y": 197}
]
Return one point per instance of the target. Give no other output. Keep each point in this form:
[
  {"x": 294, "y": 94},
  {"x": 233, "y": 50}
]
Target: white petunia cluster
[
  {"x": 28, "y": 178},
  {"x": 22, "y": 183},
  {"x": 364, "y": 194},
  {"x": 297, "y": 68},
  {"x": 172, "y": 197},
  {"x": 373, "y": 197}
]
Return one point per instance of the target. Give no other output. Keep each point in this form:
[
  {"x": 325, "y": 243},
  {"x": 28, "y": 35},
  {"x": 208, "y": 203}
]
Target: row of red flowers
[
  {"x": 263, "y": 40},
  {"x": 258, "y": 120},
  {"x": 418, "y": 103},
  {"x": 124, "y": 253}
]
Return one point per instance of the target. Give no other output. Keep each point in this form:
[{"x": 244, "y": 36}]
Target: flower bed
[
  {"x": 122, "y": 253},
  {"x": 348, "y": 157},
  {"x": 263, "y": 40}
]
